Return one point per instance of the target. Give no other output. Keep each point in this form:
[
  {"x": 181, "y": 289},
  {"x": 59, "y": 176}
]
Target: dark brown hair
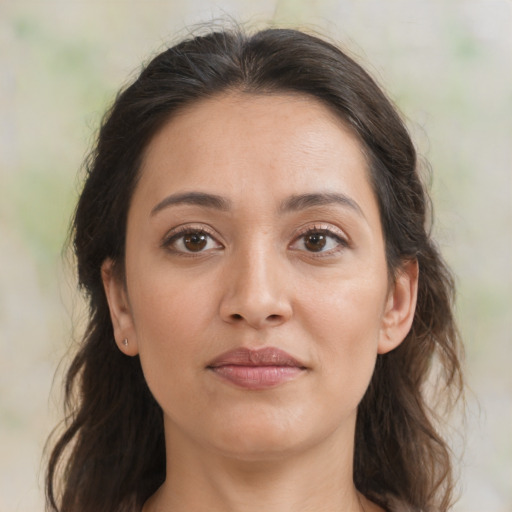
[{"x": 111, "y": 455}]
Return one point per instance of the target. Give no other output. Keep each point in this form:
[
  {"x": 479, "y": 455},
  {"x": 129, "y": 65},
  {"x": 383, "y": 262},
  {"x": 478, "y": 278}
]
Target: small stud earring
[{"x": 125, "y": 342}]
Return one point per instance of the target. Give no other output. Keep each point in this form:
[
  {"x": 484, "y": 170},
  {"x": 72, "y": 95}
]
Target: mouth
[{"x": 257, "y": 369}]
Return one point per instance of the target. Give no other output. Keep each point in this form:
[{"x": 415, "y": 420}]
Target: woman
[{"x": 266, "y": 306}]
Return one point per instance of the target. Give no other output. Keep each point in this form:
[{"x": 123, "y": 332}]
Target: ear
[
  {"x": 120, "y": 311},
  {"x": 400, "y": 308}
]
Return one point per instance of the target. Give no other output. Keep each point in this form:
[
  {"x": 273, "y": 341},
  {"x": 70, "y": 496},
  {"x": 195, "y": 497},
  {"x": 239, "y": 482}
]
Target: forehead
[
  {"x": 249, "y": 116},
  {"x": 271, "y": 145}
]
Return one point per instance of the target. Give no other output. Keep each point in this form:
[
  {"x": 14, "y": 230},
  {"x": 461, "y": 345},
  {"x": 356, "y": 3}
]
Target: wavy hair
[{"x": 104, "y": 460}]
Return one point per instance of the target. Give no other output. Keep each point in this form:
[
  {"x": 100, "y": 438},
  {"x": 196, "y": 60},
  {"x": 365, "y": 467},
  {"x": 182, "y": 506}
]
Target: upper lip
[{"x": 267, "y": 356}]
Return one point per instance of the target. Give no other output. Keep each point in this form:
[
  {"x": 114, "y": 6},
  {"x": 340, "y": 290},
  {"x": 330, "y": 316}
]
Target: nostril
[
  {"x": 273, "y": 318},
  {"x": 236, "y": 316}
]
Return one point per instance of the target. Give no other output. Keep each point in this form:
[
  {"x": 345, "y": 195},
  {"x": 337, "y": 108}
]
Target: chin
[
  {"x": 260, "y": 448},
  {"x": 258, "y": 439}
]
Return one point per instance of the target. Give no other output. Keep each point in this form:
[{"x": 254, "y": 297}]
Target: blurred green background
[{"x": 446, "y": 63}]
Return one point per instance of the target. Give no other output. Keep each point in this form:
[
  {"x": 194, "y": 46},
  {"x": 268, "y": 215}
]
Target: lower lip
[{"x": 257, "y": 377}]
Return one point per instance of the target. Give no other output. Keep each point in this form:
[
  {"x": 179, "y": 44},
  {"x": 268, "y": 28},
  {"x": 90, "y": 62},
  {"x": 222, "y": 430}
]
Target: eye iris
[
  {"x": 195, "y": 241},
  {"x": 315, "y": 242}
]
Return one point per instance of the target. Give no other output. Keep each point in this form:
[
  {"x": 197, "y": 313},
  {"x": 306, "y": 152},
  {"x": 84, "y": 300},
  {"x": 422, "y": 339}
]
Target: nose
[{"x": 256, "y": 291}]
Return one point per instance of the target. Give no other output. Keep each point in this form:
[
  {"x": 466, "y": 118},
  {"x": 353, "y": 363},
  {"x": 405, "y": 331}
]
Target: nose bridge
[{"x": 256, "y": 291}]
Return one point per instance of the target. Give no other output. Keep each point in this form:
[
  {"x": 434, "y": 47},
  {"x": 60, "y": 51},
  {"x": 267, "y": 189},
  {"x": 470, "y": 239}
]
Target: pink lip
[{"x": 256, "y": 369}]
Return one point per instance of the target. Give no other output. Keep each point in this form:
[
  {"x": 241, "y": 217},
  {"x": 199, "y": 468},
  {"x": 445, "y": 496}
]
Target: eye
[
  {"x": 189, "y": 240},
  {"x": 319, "y": 241}
]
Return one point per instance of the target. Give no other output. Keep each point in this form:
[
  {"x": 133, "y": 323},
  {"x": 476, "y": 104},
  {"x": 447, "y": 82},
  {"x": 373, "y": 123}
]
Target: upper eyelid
[
  {"x": 321, "y": 227},
  {"x": 190, "y": 228},
  {"x": 179, "y": 231},
  {"x": 298, "y": 233},
  {"x": 343, "y": 241}
]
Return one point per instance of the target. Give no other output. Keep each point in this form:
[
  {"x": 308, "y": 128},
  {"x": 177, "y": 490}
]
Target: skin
[{"x": 257, "y": 283}]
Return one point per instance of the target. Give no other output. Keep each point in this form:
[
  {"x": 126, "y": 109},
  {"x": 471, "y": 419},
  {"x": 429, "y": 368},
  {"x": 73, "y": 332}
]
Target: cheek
[
  {"x": 171, "y": 317},
  {"x": 166, "y": 305},
  {"x": 347, "y": 308},
  {"x": 345, "y": 320}
]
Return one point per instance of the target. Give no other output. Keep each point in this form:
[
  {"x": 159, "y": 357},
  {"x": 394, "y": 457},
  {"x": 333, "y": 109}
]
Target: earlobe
[
  {"x": 120, "y": 312},
  {"x": 400, "y": 308}
]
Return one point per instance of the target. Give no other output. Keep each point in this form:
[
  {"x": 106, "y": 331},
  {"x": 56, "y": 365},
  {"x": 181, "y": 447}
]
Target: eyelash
[
  {"x": 341, "y": 241},
  {"x": 182, "y": 231}
]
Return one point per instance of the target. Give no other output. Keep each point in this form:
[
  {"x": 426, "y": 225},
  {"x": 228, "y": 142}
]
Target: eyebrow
[
  {"x": 304, "y": 201},
  {"x": 292, "y": 203},
  {"x": 193, "y": 198}
]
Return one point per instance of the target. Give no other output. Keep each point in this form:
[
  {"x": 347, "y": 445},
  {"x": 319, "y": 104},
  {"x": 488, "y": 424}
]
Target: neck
[{"x": 312, "y": 479}]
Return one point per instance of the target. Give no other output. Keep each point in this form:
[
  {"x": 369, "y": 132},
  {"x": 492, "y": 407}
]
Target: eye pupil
[
  {"x": 315, "y": 242},
  {"x": 195, "y": 242}
]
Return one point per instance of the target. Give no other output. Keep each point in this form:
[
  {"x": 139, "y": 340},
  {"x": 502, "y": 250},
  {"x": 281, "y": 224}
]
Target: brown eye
[
  {"x": 324, "y": 241},
  {"x": 195, "y": 242},
  {"x": 191, "y": 241},
  {"x": 315, "y": 242}
]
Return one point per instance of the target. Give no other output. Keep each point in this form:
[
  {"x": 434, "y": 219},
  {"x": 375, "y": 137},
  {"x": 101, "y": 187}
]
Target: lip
[{"x": 256, "y": 369}]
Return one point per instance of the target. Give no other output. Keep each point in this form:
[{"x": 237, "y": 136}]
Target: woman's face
[{"x": 257, "y": 291}]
